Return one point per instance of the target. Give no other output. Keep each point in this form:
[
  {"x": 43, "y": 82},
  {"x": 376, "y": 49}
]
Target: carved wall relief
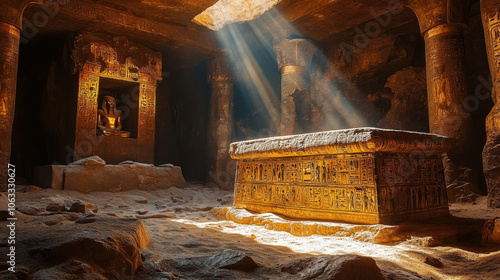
[
  {"x": 365, "y": 188},
  {"x": 98, "y": 61}
]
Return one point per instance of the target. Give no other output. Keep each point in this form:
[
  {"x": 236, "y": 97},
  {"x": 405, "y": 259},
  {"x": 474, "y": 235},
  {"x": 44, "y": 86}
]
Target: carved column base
[{"x": 491, "y": 157}]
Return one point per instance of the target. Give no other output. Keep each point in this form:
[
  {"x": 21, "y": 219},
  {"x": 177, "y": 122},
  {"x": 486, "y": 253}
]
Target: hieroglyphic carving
[
  {"x": 401, "y": 199},
  {"x": 341, "y": 170},
  {"x": 103, "y": 61},
  {"x": 363, "y": 187},
  {"x": 86, "y": 119},
  {"x": 343, "y": 183},
  {"x": 494, "y": 23},
  {"x": 340, "y": 183},
  {"x": 402, "y": 170},
  {"x": 147, "y": 104},
  {"x": 449, "y": 84},
  {"x": 107, "y": 65},
  {"x": 345, "y": 199}
]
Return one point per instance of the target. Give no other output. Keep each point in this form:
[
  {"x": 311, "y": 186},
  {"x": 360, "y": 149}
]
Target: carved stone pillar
[
  {"x": 221, "y": 167},
  {"x": 10, "y": 32},
  {"x": 490, "y": 11},
  {"x": 442, "y": 23},
  {"x": 294, "y": 57}
]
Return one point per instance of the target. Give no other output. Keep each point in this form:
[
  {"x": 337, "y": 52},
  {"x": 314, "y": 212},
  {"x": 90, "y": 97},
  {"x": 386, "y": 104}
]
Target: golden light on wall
[{"x": 109, "y": 72}]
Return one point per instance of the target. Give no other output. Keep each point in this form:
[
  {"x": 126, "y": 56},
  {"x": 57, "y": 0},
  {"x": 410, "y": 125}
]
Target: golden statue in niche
[{"x": 109, "y": 119}]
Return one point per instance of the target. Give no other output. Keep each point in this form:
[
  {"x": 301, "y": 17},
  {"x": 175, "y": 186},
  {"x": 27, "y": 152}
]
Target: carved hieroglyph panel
[
  {"x": 105, "y": 62},
  {"x": 341, "y": 183},
  {"x": 380, "y": 184},
  {"x": 494, "y": 22},
  {"x": 408, "y": 170},
  {"x": 448, "y": 82},
  {"x": 147, "y": 103},
  {"x": 86, "y": 119},
  {"x": 343, "y": 170},
  {"x": 399, "y": 199},
  {"x": 347, "y": 199},
  {"x": 116, "y": 70},
  {"x": 406, "y": 183}
]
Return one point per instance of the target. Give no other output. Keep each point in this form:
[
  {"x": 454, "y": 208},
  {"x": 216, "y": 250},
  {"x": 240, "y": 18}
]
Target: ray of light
[{"x": 332, "y": 104}]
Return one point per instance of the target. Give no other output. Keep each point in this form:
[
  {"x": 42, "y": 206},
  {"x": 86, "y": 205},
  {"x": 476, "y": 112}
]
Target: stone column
[
  {"x": 294, "y": 57},
  {"x": 442, "y": 23},
  {"x": 10, "y": 32},
  {"x": 490, "y": 11},
  {"x": 222, "y": 168}
]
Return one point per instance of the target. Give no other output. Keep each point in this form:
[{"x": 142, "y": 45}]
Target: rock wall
[
  {"x": 182, "y": 113},
  {"x": 45, "y": 116}
]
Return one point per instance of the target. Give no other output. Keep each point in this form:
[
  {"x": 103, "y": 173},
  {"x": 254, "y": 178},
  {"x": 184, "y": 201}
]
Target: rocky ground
[{"x": 191, "y": 234}]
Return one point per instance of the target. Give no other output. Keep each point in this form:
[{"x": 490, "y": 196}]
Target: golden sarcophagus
[{"x": 363, "y": 175}]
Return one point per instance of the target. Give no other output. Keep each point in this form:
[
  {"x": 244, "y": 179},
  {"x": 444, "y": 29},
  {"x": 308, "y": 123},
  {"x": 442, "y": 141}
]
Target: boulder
[
  {"x": 90, "y": 161},
  {"x": 108, "y": 246},
  {"x": 491, "y": 232},
  {"x": 210, "y": 266},
  {"x": 433, "y": 262},
  {"x": 55, "y": 204},
  {"x": 129, "y": 162},
  {"x": 137, "y": 198},
  {"x": 32, "y": 189},
  {"x": 80, "y": 206},
  {"x": 348, "y": 267},
  {"x": 69, "y": 270},
  {"x": 230, "y": 259}
]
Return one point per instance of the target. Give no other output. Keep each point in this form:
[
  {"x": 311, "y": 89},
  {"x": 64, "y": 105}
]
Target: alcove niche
[{"x": 129, "y": 73}]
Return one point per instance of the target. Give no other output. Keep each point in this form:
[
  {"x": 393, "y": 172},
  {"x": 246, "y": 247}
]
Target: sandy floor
[{"x": 193, "y": 231}]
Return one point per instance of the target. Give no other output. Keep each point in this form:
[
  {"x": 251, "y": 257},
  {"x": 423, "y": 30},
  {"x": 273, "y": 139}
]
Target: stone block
[
  {"x": 109, "y": 177},
  {"x": 363, "y": 175}
]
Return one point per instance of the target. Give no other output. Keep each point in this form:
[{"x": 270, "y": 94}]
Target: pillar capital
[
  {"x": 437, "y": 17},
  {"x": 294, "y": 55},
  {"x": 220, "y": 69},
  {"x": 11, "y": 11}
]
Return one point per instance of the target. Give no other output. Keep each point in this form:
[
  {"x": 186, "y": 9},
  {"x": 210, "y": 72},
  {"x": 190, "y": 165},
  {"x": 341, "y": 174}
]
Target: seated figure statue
[{"x": 109, "y": 119}]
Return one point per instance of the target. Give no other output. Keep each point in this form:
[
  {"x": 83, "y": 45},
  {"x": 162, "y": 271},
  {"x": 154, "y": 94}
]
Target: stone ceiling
[{"x": 167, "y": 26}]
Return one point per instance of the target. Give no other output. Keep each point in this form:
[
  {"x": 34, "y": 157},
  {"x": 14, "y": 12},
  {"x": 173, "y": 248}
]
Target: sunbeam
[{"x": 330, "y": 107}]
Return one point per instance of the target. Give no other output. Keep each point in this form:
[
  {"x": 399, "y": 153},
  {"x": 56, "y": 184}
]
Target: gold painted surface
[
  {"x": 9, "y": 54},
  {"x": 109, "y": 119},
  {"x": 446, "y": 82},
  {"x": 87, "y": 143},
  {"x": 292, "y": 69},
  {"x": 443, "y": 29},
  {"x": 360, "y": 188},
  {"x": 9, "y": 29},
  {"x": 127, "y": 71},
  {"x": 350, "y": 141},
  {"x": 147, "y": 105}
]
